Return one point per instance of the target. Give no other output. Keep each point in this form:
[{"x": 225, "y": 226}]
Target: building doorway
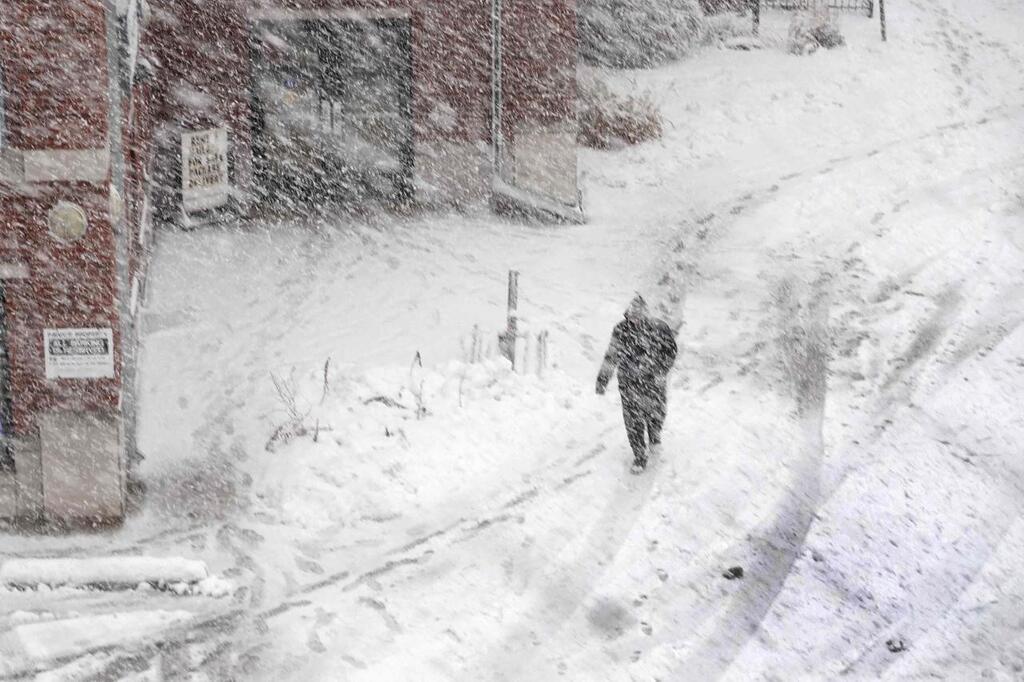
[{"x": 332, "y": 110}]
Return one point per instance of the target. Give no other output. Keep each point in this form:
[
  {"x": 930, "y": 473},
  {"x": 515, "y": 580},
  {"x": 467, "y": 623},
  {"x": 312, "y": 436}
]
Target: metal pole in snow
[
  {"x": 881, "y": 16},
  {"x": 507, "y": 340},
  {"x": 513, "y": 308}
]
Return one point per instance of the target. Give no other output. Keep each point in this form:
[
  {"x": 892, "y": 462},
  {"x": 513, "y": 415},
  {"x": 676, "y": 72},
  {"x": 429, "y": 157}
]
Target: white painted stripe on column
[
  {"x": 53, "y": 165},
  {"x": 274, "y": 14},
  {"x": 13, "y": 271}
]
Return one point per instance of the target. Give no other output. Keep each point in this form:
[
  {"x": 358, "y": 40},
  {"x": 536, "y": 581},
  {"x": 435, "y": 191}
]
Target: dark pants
[{"x": 644, "y": 403}]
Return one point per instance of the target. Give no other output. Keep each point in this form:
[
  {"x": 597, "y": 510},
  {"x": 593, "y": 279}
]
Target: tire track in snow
[
  {"x": 872, "y": 656},
  {"x": 802, "y": 322},
  {"x": 717, "y": 651},
  {"x": 778, "y": 548}
]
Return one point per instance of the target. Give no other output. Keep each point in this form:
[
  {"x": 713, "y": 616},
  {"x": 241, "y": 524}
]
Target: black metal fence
[{"x": 865, "y": 6}]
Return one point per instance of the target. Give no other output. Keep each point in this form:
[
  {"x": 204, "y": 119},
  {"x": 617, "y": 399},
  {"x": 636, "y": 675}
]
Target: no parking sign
[
  {"x": 79, "y": 353},
  {"x": 204, "y": 169}
]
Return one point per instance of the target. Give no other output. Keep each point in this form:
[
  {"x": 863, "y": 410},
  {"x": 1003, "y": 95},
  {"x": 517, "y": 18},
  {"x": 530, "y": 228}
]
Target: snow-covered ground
[{"x": 841, "y": 237}]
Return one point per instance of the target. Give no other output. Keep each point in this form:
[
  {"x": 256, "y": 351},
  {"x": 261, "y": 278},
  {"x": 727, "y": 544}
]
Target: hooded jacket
[{"x": 642, "y": 349}]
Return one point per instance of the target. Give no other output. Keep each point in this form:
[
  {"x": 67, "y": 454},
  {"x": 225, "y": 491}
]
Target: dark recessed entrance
[{"x": 332, "y": 111}]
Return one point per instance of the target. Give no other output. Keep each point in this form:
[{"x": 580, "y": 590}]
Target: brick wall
[
  {"x": 69, "y": 286},
  {"x": 54, "y": 58},
  {"x": 201, "y": 48},
  {"x": 539, "y": 65}
]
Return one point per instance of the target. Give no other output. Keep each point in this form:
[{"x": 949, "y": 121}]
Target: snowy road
[{"x": 842, "y": 237}]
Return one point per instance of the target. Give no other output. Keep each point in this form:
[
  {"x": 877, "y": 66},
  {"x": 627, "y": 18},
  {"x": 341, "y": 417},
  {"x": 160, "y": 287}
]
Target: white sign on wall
[
  {"x": 204, "y": 169},
  {"x": 79, "y": 353}
]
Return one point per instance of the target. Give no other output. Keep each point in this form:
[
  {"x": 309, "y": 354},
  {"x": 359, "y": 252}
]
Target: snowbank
[
  {"x": 105, "y": 571},
  {"x": 439, "y": 434},
  {"x": 54, "y": 640}
]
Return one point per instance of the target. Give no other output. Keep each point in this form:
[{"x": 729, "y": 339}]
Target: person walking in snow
[{"x": 643, "y": 350}]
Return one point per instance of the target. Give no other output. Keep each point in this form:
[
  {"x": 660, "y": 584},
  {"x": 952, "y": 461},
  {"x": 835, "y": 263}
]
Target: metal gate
[
  {"x": 865, "y": 6},
  {"x": 332, "y": 103}
]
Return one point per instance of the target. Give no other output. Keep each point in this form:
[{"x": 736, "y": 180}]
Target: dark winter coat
[{"x": 643, "y": 351}]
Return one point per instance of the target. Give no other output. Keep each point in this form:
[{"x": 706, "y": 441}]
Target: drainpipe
[
  {"x": 114, "y": 141},
  {"x": 122, "y": 235},
  {"x": 497, "y": 142},
  {"x": 115, "y": 149}
]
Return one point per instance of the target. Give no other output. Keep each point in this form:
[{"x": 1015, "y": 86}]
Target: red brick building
[{"x": 283, "y": 102}]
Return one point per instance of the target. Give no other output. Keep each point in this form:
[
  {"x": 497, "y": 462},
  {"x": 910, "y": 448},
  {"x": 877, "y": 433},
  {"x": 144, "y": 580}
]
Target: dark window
[{"x": 332, "y": 109}]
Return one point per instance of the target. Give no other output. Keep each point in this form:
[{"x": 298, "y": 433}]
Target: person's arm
[
  {"x": 611, "y": 361},
  {"x": 668, "y": 349}
]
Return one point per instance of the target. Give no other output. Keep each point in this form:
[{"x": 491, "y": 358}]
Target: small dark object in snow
[
  {"x": 386, "y": 401},
  {"x": 743, "y": 43},
  {"x": 734, "y": 573},
  {"x": 895, "y": 645}
]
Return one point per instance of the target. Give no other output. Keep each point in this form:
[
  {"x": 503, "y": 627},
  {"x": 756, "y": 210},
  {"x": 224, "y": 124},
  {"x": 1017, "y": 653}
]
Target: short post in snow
[
  {"x": 756, "y": 6},
  {"x": 881, "y": 17},
  {"x": 542, "y": 352},
  {"x": 507, "y": 340}
]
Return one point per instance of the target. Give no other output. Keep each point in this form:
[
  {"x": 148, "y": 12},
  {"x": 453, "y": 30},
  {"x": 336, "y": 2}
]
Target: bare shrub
[
  {"x": 294, "y": 424},
  {"x": 296, "y": 410},
  {"x": 828, "y": 35},
  {"x": 608, "y": 120}
]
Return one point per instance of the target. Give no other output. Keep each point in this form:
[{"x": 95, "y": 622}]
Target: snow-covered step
[
  {"x": 29, "y": 645},
  {"x": 108, "y": 572}
]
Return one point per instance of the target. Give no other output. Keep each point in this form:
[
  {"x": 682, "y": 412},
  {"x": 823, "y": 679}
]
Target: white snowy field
[{"x": 841, "y": 237}]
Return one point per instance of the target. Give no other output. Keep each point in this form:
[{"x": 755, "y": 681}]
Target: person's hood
[{"x": 637, "y": 309}]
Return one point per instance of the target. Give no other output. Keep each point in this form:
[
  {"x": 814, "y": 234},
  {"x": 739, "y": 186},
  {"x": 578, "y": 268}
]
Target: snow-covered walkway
[{"x": 842, "y": 237}]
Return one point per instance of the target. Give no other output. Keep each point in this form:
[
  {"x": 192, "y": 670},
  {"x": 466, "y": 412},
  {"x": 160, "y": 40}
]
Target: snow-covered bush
[
  {"x": 726, "y": 27},
  {"x": 813, "y": 29},
  {"x": 631, "y": 34},
  {"x": 608, "y": 120},
  {"x": 828, "y": 35}
]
